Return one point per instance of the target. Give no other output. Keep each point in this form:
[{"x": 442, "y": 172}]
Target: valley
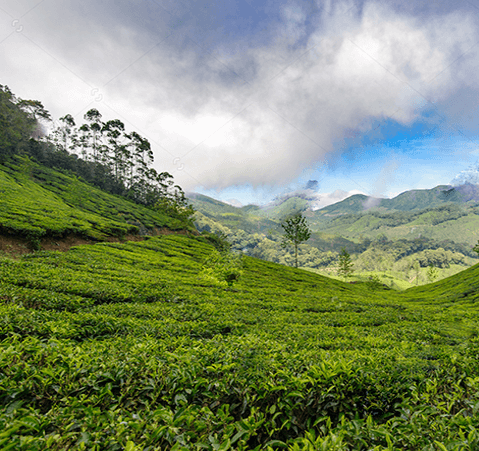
[
  {"x": 383, "y": 243},
  {"x": 157, "y": 327}
]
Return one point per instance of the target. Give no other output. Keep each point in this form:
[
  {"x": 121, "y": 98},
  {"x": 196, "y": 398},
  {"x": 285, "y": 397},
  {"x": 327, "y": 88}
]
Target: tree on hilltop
[{"x": 296, "y": 231}]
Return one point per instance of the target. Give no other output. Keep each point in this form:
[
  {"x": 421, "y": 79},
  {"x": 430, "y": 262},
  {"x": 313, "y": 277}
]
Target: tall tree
[
  {"x": 84, "y": 140},
  {"x": 95, "y": 125},
  {"x": 117, "y": 153},
  {"x": 35, "y": 110},
  {"x": 141, "y": 157},
  {"x": 296, "y": 231},
  {"x": 15, "y": 125},
  {"x": 345, "y": 265},
  {"x": 68, "y": 132}
]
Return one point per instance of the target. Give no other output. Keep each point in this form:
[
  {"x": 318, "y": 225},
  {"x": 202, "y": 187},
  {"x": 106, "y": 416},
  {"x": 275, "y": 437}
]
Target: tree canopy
[{"x": 296, "y": 231}]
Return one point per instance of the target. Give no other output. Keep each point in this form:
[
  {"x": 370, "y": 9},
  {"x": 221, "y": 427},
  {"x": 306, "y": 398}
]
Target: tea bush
[{"x": 125, "y": 347}]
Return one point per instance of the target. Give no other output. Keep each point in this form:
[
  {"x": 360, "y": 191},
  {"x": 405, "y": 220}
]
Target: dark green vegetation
[
  {"x": 122, "y": 346},
  {"x": 100, "y": 153}
]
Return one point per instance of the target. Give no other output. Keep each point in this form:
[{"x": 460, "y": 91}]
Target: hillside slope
[
  {"x": 38, "y": 203},
  {"x": 249, "y": 218},
  {"x": 450, "y": 221},
  {"x": 417, "y": 199},
  {"x": 126, "y": 346}
]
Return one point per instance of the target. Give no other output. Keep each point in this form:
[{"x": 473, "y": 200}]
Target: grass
[{"x": 124, "y": 346}]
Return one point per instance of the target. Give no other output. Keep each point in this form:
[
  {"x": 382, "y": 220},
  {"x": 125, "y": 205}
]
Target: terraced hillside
[
  {"x": 128, "y": 347},
  {"x": 42, "y": 205}
]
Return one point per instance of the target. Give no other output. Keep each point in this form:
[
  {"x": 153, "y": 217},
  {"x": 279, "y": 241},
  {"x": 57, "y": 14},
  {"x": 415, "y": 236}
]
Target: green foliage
[
  {"x": 222, "y": 268},
  {"x": 123, "y": 346},
  {"x": 176, "y": 206},
  {"x": 432, "y": 273},
  {"x": 219, "y": 240},
  {"x": 51, "y": 204},
  {"x": 296, "y": 231},
  {"x": 374, "y": 281},
  {"x": 345, "y": 266}
]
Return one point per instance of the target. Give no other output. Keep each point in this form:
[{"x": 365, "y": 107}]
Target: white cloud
[
  {"x": 325, "y": 199},
  {"x": 257, "y": 115}
]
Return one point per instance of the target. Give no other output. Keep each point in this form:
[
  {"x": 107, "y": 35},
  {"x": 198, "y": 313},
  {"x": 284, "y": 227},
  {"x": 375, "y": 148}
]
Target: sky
[{"x": 251, "y": 100}]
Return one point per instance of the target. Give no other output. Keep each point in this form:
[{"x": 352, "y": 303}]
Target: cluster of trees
[
  {"x": 16, "y": 125},
  {"x": 101, "y": 152}
]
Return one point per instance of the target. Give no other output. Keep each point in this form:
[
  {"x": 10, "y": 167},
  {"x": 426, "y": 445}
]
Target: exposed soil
[{"x": 16, "y": 247}]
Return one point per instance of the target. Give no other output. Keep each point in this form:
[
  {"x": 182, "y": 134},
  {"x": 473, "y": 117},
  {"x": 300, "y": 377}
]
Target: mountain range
[
  {"x": 417, "y": 199},
  {"x": 442, "y": 213}
]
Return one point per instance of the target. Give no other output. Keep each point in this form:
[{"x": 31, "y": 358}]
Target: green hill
[
  {"x": 214, "y": 214},
  {"x": 450, "y": 221},
  {"x": 40, "y": 204},
  {"x": 408, "y": 201},
  {"x": 353, "y": 204},
  {"x": 125, "y": 346},
  {"x": 382, "y": 243}
]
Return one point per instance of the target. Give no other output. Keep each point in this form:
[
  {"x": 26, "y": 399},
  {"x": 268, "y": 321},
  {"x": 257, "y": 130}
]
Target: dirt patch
[{"x": 16, "y": 247}]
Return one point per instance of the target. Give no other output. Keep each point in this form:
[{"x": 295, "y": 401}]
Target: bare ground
[{"x": 16, "y": 247}]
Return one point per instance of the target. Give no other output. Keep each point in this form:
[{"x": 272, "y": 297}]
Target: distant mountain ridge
[
  {"x": 416, "y": 199},
  {"x": 406, "y": 201}
]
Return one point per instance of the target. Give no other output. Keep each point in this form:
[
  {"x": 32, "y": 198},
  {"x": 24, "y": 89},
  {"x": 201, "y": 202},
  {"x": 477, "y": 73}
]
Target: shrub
[{"x": 222, "y": 268}]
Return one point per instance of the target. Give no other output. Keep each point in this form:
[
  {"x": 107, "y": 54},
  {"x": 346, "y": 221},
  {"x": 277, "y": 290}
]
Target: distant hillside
[
  {"x": 407, "y": 201},
  {"x": 279, "y": 211},
  {"x": 249, "y": 218},
  {"x": 353, "y": 204}
]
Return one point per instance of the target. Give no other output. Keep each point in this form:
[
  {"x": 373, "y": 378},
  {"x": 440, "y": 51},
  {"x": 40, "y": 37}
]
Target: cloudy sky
[{"x": 250, "y": 99}]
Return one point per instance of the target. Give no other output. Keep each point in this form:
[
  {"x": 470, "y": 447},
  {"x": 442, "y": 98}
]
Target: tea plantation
[
  {"x": 37, "y": 202},
  {"x": 125, "y": 347}
]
